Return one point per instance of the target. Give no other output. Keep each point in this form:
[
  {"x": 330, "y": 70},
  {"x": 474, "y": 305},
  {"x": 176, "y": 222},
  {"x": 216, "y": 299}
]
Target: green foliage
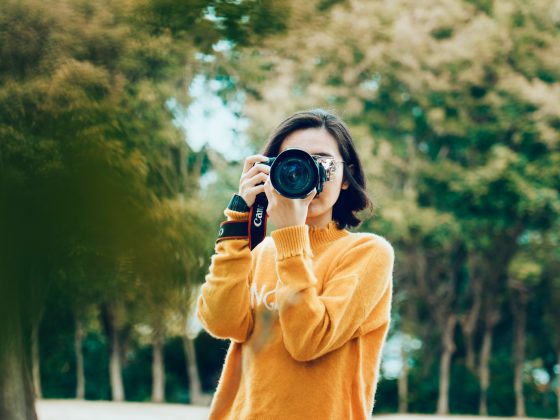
[
  {"x": 58, "y": 365},
  {"x": 500, "y": 393},
  {"x": 454, "y": 110},
  {"x": 98, "y": 191},
  {"x": 465, "y": 390},
  {"x": 386, "y": 396},
  {"x": 96, "y": 352},
  {"x": 210, "y": 359}
]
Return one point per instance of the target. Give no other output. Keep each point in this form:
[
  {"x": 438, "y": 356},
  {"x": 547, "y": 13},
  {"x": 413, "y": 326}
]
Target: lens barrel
[{"x": 294, "y": 173}]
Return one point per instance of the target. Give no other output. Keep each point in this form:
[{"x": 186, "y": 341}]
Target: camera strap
[
  {"x": 254, "y": 229},
  {"x": 257, "y": 220},
  {"x": 231, "y": 229}
]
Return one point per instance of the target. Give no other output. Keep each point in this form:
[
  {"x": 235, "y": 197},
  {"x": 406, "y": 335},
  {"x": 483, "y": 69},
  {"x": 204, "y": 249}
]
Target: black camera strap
[
  {"x": 257, "y": 220},
  {"x": 254, "y": 229},
  {"x": 232, "y": 229}
]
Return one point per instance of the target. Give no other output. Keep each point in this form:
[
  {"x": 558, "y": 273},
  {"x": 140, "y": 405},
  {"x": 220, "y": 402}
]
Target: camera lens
[{"x": 294, "y": 174}]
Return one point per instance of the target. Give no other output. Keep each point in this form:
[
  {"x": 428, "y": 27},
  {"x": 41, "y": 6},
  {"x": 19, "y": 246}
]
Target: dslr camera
[{"x": 294, "y": 173}]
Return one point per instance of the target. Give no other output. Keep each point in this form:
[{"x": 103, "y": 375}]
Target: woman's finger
[
  {"x": 251, "y": 160},
  {"x": 268, "y": 189},
  {"x": 256, "y": 179},
  {"x": 257, "y": 168},
  {"x": 252, "y": 192},
  {"x": 311, "y": 195}
]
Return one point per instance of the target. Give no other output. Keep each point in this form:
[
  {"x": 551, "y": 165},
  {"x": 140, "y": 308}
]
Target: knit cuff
[
  {"x": 238, "y": 216},
  {"x": 291, "y": 240}
]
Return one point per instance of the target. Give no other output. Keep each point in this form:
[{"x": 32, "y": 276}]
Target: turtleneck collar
[{"x": 321, "y": 236}]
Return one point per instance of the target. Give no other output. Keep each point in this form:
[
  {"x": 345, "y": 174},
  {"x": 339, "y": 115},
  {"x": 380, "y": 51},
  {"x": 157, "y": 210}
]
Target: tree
[
  {"x": 88, "y": 148},
  {"x": 463, "y": 93}
]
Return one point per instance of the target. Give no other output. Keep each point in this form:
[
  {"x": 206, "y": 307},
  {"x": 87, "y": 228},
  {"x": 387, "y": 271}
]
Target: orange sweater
[{"x": 307, "y": 312}]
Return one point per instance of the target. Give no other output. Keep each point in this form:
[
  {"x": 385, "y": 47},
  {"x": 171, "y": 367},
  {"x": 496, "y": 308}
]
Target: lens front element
[{"x": 294, "y": 173}]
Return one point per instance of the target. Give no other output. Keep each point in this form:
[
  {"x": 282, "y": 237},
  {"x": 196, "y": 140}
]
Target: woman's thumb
[{"x": 311, "y": 195}]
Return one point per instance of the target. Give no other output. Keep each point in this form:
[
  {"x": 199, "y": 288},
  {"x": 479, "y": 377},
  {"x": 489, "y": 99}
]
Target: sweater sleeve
[
  {"x": 356, "y": 294},
  {"x": 223, "y": 307}
]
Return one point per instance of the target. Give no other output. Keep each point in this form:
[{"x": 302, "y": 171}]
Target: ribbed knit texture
[
  {"x": 292, "y": 241},
  {"x": 236, "y": 215},
  {"x": 307, "y": 312}
]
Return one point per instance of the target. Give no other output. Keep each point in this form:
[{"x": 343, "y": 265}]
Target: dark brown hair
[{"x": 351, "y": 200}]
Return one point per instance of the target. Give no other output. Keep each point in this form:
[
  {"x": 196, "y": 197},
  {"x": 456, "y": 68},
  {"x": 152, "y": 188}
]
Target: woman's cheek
[{"x": 318, "y": 204}]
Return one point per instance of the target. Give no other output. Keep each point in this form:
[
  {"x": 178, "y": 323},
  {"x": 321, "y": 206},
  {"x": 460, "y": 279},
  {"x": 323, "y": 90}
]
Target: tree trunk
[
  {"x": 403, "y": 382},
  {"x": 448, "y": 347},
  {"x": 17, "y": 401},
  {"x": 117, "y": 388},
  {"x": 80, "y": 375},
  {"x": 115, "y": 364},
  {"x": 158, "y": 370},
  {"x": 35, "y": 361},
  {"x": 195, "y": 388},
  {"x": 468, "y": 325},
  {"x": 484, "y": 369},
  {"x": 519, "y": 308}
]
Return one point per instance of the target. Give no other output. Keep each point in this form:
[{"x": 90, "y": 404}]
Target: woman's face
[{"x": 318, "y": 141}]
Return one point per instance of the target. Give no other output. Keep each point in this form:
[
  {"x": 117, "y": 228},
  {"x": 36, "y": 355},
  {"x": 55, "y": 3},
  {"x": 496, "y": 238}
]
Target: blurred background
[{"x": 123, "y": 125}]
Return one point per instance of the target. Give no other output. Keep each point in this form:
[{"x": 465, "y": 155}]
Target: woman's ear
[{"x": 345, "y": 183}]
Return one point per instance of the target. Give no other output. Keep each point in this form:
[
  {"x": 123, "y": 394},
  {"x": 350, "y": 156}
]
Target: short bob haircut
[{"x": 351, "y": 200}]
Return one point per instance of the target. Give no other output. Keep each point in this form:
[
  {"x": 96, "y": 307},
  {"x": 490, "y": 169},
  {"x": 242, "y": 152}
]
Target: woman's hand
[
  {"x": 284, "y": 212},
  {"x": 252, "y": 176}
]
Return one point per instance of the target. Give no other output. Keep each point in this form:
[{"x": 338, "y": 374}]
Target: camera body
[{"x": 294, "y": 173}]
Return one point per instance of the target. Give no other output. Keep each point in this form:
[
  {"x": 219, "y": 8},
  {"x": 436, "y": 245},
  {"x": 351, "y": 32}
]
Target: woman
[{"x": 308, "y": 309}]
